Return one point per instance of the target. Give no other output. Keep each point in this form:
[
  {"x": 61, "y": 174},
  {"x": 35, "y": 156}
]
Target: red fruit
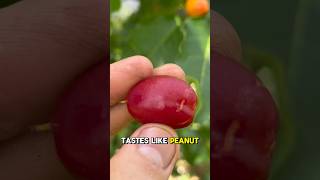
[
  {"x": 81, "y": 127},
  {"x": 163, "y": 99},
  {"x": 244, "y": 123}
]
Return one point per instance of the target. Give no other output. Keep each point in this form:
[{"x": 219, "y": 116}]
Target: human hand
[
  {"x": 44, "y": 46},
  {"x": 134, "y": 161}
]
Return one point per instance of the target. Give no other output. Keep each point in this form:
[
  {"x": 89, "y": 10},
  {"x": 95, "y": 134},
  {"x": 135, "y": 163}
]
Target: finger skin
[
  {"x": 170, "y": 70},
  {"x": 119, "y": 115},
  {"x": 119, "y": 118},
  {"x": 127, "y": 163},
  {"x": 126, "y": 73},
  {"x": 31, "y": 157},
  {"x": 45, "y": 45}
]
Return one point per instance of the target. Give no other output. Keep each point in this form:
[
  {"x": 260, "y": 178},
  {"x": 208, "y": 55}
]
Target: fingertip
[
  {"x": 166, "y": 128},
  {"x": 119, "y": 118},
  {"x": 169, "y": 152},
  {"x": 170, "y": 70},
  {"x": 139, "y": 64},
  {"x": 126, "y": 73},
  {"x": 163, "y": 131},
  {"x": 147, "y": 160}
]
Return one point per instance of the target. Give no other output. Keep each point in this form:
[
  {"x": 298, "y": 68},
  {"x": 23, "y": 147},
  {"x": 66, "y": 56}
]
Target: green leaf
[
  {"x": 150, "y": 9},
  {"x": 115, "y": 5},
  {"x": 196, "y": 61},
  {"x": 159, "y": 40}
]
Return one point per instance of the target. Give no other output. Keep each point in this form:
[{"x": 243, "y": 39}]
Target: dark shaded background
[{"x": 281, "y": 43}]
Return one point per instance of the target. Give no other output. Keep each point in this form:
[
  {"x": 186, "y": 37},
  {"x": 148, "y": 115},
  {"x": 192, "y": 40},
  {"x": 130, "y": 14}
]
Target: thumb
[{"x": 145, "y": 161}]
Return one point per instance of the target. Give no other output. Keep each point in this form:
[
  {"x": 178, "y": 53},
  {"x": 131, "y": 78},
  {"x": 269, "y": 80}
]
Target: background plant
[{"x": 161, "y": 31}]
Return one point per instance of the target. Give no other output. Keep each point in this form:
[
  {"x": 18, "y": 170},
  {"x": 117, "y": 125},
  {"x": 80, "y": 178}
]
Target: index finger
[{"x": 126, "y": 73}]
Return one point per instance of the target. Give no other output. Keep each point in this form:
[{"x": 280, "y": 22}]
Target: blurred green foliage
[{"x": 161, "y": 31}]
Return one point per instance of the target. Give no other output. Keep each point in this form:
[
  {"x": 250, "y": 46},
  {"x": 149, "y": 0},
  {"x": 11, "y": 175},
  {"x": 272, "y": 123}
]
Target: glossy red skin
[
  {"x": 162, "y": 99},
  {"x": 244, "y": 123},
  {"x": 81, "y": 126}
]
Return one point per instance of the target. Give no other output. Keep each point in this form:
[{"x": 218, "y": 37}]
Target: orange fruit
[{"x": 197, "y": 8}]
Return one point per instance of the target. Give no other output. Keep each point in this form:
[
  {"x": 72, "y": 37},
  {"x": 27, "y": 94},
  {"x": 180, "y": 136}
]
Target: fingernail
[{"x": 159, "y": 154}]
